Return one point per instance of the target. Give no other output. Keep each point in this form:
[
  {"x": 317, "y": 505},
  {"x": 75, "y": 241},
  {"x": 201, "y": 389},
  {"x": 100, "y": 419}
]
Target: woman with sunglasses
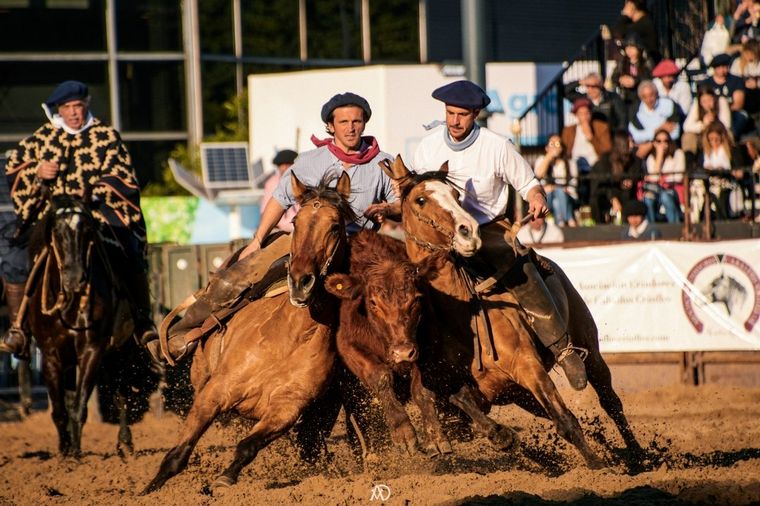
[
  {"x": 560, "y": 180},
  {"x": 665, "y": 168}
]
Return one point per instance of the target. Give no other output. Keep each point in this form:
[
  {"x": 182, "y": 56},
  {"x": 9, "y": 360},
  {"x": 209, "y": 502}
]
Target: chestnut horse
[
  {"x": 83, "y": 327},
  {"x": 510, "y": 367},
  {"x": 276, "y": 354},
  {"x": 381, "y": 307}
]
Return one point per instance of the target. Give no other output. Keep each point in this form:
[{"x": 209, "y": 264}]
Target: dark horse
[
  {"x": 498, "y": 351},
  {"x": 83, "y": 326}
]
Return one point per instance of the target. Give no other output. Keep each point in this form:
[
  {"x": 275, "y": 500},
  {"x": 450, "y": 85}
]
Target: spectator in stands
[
  {"x": 540, "y": 231},
  {"x": 631, "y": 71},
  {"x": 747, "y": 67},
  {"x": 666, "y": 79},
  {"x": 282, "y": 161},
  {"x": 717, "y": 155},
  {"x": 635, "y": 20},
  {"x": 606, "y": 105},
  {"x": 653, "y": 113},
  {"x": 639, "y": 227},
  {"x": 732, "y": 87},
  {"x": 705, "y": 109},
  {"x": 749, "y": 28},
  {"x": 715, "y": 41},
  {"x": 560, "y": 181},
  {"x": 585, "y": 142},
  {"x": 741, "y": 14},
  {"x": 614, "y": 180},
  {"x": 663, "y": 180}
]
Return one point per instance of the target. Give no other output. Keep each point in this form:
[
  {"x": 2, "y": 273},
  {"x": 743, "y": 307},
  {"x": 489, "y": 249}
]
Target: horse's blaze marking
[{"x": 441, "y": 193}]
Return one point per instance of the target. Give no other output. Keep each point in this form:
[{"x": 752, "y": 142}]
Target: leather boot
[
  {"x": 533, "y": 295},
  {"x": 15, "y": 340},
  {"x": 139, "y": 294}
]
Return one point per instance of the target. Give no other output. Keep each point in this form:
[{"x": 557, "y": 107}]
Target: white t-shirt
[
  {"x": 582, "y": 147},
  {"x": 483, "y": 170}
]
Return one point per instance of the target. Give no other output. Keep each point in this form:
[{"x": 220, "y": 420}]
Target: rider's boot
[
  {"x": 15, "y": 340},
  {"x": 534, "y": 296}
]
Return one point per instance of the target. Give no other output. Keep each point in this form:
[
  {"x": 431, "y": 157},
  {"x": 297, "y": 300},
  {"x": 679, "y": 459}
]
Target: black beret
[
  {"x": 342, "y": 100},
  {"x": 634, "y": 208},
  {"x": 720, "y": 59},
  {"x": 66, "y": 91},
  {"x": 465, "y": 94},
  {"x": 284, "y": 156}
]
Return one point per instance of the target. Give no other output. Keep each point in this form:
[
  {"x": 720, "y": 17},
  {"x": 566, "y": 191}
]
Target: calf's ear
[{"x": 342, "y": 286}]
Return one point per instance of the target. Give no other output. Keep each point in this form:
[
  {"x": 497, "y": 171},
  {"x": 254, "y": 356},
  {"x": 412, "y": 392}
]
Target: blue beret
[
  {"x": 66, "y": 91},
  {"x": 342, "y": 100},
  {"x": 465, "y": 94},
  {"x": 720, "y": 59},
  {"x": 285, "y": 156}
]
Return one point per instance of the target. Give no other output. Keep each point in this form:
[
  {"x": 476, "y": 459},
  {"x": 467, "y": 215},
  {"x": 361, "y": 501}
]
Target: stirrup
[
  {"x": 24, "y": 352},
  {"x": 569, "y": 349}
]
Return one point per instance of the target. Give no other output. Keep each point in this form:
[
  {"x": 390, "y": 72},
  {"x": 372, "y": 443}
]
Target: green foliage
[{"x": 234, "y": 127}]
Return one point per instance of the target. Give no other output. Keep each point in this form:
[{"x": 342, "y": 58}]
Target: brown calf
[{"x": 379, "y": 314}]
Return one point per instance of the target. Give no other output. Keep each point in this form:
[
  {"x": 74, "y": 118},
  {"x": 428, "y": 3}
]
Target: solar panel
[{"x": 225, "y": 165}]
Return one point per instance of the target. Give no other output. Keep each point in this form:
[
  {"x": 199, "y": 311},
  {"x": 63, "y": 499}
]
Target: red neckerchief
[{"x": 369, "y": 151}]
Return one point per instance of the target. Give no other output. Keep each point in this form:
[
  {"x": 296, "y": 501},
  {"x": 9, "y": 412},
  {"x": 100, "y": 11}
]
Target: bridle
[{"x": 435, "y": 226}]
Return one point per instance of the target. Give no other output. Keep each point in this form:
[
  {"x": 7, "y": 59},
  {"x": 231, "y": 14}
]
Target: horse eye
[
  {"x": 420, "y": 201},
  {"x": 335, "y": 229}
]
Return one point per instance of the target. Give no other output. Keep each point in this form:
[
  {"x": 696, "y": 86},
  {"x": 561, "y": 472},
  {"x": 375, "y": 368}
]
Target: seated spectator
[
  {"x": 741, "y": 14},
  {"x": 540, "y": 231},
  {"x": 732, "y": 88},
  {"x": 747, "y": 67},
  {"x": 715, "y": 41},
  {"x": 639, "y": 228},
  {"x": 652, "y": 114},
  {"x": 585, "y": 142},
  {"x": 614, "y": 180},
  {"x": 282, "y": 161},
  {"x": 716, "y": 160},
  {"x": 631, "y": 71},
  {"x": 666, "y": 79},
  {"x": 749, "y": 29},
  {"x": 559, "y": 181},
  {"x": 663, "y": 179},
  {"x": 635, "y": 20},
  {"x": 707, "y": 107},
  {"x": 605, "y": 105}
]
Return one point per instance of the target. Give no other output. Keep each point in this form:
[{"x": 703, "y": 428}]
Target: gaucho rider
[
  {"x": 74, "y": 153},
  {"x": 345, "y": 117},
  {"x": 483, "y": 164}
]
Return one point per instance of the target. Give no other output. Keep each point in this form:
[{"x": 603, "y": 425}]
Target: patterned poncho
[{"x": 93, "y": 161}]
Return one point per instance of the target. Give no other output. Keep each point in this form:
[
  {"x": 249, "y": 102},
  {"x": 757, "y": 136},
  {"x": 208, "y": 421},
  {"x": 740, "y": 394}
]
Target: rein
[{"x": 435, "y": 226}]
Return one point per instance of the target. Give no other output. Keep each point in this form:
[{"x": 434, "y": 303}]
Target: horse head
[
  {"x": 319, "y": 234},
  {"x": 430, "y": 210},
  {"x": 72, "y": 235}
]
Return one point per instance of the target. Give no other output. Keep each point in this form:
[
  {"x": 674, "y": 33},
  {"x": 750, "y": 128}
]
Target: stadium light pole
[{"x": 474, "y": 41}]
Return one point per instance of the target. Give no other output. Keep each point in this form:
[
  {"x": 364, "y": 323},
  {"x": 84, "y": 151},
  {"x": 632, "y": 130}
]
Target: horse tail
[{"x": 126, "y": 371}]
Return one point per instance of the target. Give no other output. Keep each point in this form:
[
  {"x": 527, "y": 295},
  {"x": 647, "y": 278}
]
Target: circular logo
[{"x": 726, "y": 284}]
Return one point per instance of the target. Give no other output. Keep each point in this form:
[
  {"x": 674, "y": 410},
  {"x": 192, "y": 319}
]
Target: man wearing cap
[
  {"x": 484, "y": 164},
  {"x": 282, "y": 162},
  {"x": 665, "y": 78},
  {"x": 346, "y": 150},
  {"x": 731, "y": 87},
  {"x": 74, "y": 153},
  {"x": 639, "y": 228},
  {"x": 652, "y": 114}
]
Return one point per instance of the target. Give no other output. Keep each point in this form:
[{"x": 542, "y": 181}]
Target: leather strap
[{"x": 163, "y": 329}]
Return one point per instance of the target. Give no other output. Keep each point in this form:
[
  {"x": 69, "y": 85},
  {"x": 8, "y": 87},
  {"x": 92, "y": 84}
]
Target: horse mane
[
  {"x": 325, "y": 190},
  {"x": 413, "y": 179},
  {"x": 40, "y": 233}
]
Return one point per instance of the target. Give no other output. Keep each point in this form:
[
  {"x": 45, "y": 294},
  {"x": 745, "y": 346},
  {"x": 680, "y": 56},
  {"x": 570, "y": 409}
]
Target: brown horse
[
  {"x": 511, "y": 368},
  {"x": 277, "y": 353},
  {"x": 83, "y": 326},
  {"x": 380, "y": 310}
]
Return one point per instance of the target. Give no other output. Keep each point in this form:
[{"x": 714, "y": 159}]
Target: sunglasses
[{"x": 555, "y": 144}]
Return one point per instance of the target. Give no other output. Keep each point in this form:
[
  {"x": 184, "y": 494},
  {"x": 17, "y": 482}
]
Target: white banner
[{"x": 669, "y": 296}]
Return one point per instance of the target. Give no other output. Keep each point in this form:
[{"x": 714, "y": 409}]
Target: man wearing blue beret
[
  {"x": 74, "y": 153},
  {"x": 346, "y": 150},
  {"x": 484, "y": 163}
]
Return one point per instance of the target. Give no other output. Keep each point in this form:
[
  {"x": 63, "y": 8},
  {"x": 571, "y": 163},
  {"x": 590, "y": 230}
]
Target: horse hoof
[
  {"x": 502, "y": 438},
  {"x": 596, "y": 464},
  {"x": 221, "y": 483}
]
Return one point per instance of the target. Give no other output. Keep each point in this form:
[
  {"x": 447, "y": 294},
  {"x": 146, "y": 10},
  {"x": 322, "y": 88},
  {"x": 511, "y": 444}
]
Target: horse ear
[
  {"x": 298, "y": 186},
  {"x": 444, "y": 167},
  {"x": 342, "y": 286},
  {"x": 344, "y": 185}
]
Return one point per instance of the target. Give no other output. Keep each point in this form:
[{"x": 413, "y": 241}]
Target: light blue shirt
[
  {"x": 646, "y": 122},
  {"x": 369, "y": 184}
]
